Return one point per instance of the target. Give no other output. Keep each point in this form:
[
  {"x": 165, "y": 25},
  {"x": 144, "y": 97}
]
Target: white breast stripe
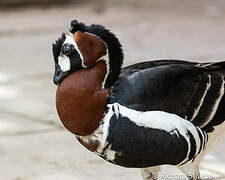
[
  {"x": 202, "y": 100},
  {"x": 100, "y": 135}
]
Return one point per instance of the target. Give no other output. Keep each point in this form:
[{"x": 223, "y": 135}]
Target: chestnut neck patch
[
  {"x": 91, "y": 47},
  {"x": 114, "y": 48}
]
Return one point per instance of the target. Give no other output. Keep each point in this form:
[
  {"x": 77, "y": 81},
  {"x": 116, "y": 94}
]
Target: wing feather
[{"x": 193, "y": 91}]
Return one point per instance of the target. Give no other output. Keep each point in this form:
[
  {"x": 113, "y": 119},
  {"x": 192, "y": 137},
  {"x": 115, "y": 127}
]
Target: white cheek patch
[
  {"x": 69, "y": 39},
  {"x": 64, "y": 63}
]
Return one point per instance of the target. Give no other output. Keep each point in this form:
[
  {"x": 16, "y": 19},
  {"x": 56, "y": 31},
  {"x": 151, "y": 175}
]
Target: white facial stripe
[
  {"x": 64, "y": 63},
  {"x": 70, "y": 40}
]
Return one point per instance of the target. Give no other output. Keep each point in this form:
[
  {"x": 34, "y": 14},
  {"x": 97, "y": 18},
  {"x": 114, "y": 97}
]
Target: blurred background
[{"x": 33, "y": 143}]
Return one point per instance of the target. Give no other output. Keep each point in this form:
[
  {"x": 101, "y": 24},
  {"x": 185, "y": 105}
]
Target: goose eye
[{"x": 67, "y": 49}]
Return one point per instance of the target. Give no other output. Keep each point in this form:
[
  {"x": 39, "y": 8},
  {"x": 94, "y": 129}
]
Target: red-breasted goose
[{"x": 141, "y": 116}]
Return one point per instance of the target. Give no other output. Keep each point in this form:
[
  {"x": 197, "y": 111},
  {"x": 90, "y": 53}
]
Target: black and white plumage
[
  {"x": 163, "y": 112},
  {"x": 192, "y": 91},
  {"x": 158, "y": 112}
]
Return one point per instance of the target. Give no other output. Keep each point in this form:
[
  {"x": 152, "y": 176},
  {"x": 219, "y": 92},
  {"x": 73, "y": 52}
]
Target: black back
[{"x": 173, "y": 86}]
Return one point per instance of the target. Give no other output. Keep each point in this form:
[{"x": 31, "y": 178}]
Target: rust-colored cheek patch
[{"x": 91, "y": 47}]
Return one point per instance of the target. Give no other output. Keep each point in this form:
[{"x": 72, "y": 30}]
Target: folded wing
[{"x": 192, "y": 91}]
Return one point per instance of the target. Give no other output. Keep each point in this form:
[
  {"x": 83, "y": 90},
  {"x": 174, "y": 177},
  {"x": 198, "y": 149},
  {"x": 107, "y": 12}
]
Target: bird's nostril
[{"x": 57, "y": 73}]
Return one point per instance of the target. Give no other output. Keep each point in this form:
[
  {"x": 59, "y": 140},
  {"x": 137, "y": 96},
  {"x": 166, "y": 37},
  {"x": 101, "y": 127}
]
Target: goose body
[{"x": 141, "y": 116}]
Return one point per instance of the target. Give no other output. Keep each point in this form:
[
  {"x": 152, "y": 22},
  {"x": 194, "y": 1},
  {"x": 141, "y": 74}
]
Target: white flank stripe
[
  {"x": 160, "y": 120},
  {"x": 203, "y": 141},
  {"x": 149, "y": 119},
  {"x": 202, "y": 100},
  {"x": 216, "y": 104}
]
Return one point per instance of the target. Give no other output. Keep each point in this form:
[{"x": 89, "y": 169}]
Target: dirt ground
[{"x": 33, "y": 143}]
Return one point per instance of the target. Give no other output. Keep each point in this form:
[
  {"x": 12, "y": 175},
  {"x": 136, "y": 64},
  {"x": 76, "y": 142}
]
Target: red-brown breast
[{"x": 80, "y": 101}]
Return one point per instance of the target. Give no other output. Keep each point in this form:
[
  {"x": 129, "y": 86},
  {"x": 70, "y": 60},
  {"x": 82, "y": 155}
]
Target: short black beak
[{"x": 59, "y": 75}]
